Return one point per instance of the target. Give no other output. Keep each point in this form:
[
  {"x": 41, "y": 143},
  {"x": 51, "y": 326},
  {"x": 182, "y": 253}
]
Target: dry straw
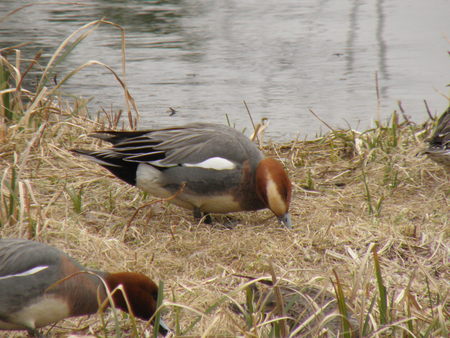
[{"x": 370, "y": 217}]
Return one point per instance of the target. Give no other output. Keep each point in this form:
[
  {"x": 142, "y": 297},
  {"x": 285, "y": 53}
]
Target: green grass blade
[
  {"x": 5, "y": 101},
  {"x": 177, "y": 311},
  {"x": 77, "y": 199},
  {"x": 342, "y": 306},
  {"x": 250, "y": 302},
  {"x": 382, "y": 295},
  {"x": 368, "y": 194},
  {"x": 365, "y": 328},
  {"x": 158, "y": 305}
]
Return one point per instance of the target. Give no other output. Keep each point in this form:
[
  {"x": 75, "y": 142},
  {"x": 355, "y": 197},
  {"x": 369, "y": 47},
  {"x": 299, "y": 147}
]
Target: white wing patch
[
  {"x": 32, "y": 271},
  {"x": 216, "y": 163}
]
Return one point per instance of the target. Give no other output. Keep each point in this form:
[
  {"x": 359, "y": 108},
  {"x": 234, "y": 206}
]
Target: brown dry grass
[
  {"x": 352, "y": 192},
  {"x": 333, "y": 228}
]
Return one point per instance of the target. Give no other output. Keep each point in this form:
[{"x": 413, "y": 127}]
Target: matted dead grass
[{"x": 80, "y": 208}]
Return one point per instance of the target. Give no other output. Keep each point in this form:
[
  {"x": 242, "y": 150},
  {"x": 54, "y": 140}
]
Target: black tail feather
[
  {"x": 120, "y": 168},
  {"x": 115, "y": 137}
]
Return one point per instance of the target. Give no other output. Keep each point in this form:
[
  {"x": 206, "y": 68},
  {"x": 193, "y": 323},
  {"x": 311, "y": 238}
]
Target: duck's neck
[{"x": 85, "y": 289}]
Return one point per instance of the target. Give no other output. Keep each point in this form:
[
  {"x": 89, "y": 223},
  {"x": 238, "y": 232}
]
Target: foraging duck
[
  {"x": 439, "y": 143},
  {"x": 33, "y": 292},
  {"x": 205, "y": 167}
]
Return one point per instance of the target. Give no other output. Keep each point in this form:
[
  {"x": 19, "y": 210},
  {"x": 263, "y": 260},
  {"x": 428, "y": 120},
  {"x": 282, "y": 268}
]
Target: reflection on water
[
  {"x": 283, "y": 57},
  {"x": 381, "y": 43}
]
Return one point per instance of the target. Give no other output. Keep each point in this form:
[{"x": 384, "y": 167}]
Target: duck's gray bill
[
  {"x": 286, "y": 220},
  {"x": 163, "y": 328}
]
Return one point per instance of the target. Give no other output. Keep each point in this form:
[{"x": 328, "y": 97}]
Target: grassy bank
[{"x": 370, "y": 224}]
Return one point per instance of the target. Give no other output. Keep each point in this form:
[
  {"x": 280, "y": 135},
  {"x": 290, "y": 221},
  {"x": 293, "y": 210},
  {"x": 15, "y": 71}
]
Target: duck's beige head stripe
[{"x": 273, "y": 186}]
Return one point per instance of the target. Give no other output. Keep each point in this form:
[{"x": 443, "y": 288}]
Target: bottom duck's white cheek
[
  {"x": 32, "y": 271},
  {"x": 216, "y": 163}
]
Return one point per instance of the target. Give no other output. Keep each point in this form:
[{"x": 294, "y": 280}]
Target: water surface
[{"x": 282, "y": 57}]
